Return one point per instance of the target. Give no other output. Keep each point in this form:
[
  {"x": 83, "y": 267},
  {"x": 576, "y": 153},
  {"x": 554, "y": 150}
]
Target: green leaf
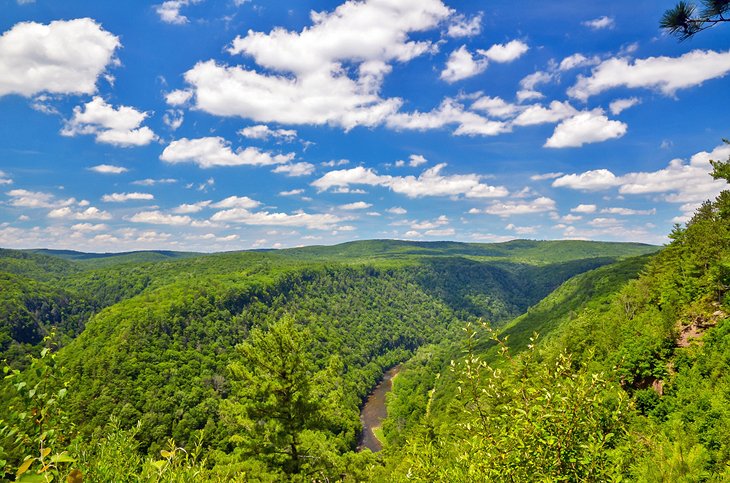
[
  {"x": 24, "y": 467},
  {"x": 62, "y": 458},
  {"x": 45, "y": 452}
]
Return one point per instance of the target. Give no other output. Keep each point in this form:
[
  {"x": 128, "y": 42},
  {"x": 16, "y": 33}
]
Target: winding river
[{"x": 374, "y": 412}]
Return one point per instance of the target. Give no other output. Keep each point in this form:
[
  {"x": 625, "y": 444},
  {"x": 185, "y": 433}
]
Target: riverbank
[{"x": 375, "y": 411}]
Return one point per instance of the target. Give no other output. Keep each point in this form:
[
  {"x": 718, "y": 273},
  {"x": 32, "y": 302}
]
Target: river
[{"x": 374, "y": 412}]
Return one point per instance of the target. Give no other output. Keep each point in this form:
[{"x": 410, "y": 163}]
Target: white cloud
[
  {"x": 620, "y": 105},
  {"x": 295, "y": 169},
  {"x": 521, "y": 230},
  {"x": 36, "y": 199},
  {"x": 313, "y": 221},
  {"x": 397, "y": 210},
  {"x": 153, "y": 182},
  {"x": 597, "y": 179},
  {"x": 529, "y": 83},
  {"x": 215, "y": 151},
  {"x": 510, "y": 208},
  {"x": 440, "y": 232},
  {"x": 449, "y": 112},
  {"x": 462, "y": 26},
  {"x": 89, "y": 227},
  {"x": 304, "y": 81},
  {"x": 63, "y": 57},
  {"x": 537, "y": 114},
  {"x": 237, "y": 202},
  {"x": 599, "y": 23},
  {"x": 90, "y": 213},
  {"x": 496, "y": 107},
  {"x": 108, "y": 169},
  {"x": 628, "y": 211},
  {"x": 528, "y": 95},
  {"x": 173, "y": 118},
  {"x": 461, "y": 64},
  {"x": 427, "y": 224},
  {"x": 293, "y": 192},
  {"x": 4, "y": 179},
  {"x": 577, "y": 60},
  {"x": 584, "y": 128},
  {"x": 667, "y": 74},
  {"x": 169, "y": 11},
  {"x": 188, "y": 208},
  {"x": 264, "y": 132},
  {"x": 584, "y": 208},
  {"x": 333, "y": 163},
  {"x": 120, "y": 126},
  {"x": 429, "y": 183},
  {"x": 680, "y": 182},
  {"x": 357, "y": 205},
  {"x": 156, "y": 217},
  {"x": 545, "y": 176},
  {"x": 416, "y": 160},
  {"x": 178, "y": 97},
  {"x": 122, "y": 197},
  {"x": 508, "y": 52}
]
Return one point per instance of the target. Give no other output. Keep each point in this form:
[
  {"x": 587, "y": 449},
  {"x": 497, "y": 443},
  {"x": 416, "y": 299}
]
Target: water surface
[{"x": 374, "y": 412}]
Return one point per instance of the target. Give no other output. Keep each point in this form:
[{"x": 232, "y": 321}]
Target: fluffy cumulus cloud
[
  {"x": 688, "y": 183},
  {"x": 463, "y": 26},
  {"x": 357, "y": 205},
  {"x": 577, "y": 60},
  {"x": 585, "y": 128},
  {"x": 600, "y": 23},
  {"x": 90, "y": 213},
  {"x": 295, "y": 169},
  {"x": 120, "y": 126},
  {"x": 122, "y": 197},
  {"x": 508, "y": 52},
  {"x": 210, "y": 152},
  {"x": 302, "y": 79},
  {"x": 666, "y": 74},
  {"x": 620, "y": 105},
  {"x": 430, "y": 183},
  {"x": 264, "y": 132},
  {"x": 462, "y": 64},
  {"x": 169, "y": 11},
  {"x": 108, "y": 169},
  {"x": 237, "y": 202},
  {"x": 496, "y": 107},
  {"x": 156, "y": 217},
  {"x": 519, "y": 207},
  {"x": 537, "y": 114},
  {"x": 450, "y": 112},
  {"x": 313, "y": 221},
  {"x": 23, "y": 198},
  {"x": 5, "y": 179},
  {"x": 63, "y": 57}
]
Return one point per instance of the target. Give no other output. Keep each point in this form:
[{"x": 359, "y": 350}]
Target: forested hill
[
  {"x": 43, "y": 289},
  {"x": 150, "y": 338}
]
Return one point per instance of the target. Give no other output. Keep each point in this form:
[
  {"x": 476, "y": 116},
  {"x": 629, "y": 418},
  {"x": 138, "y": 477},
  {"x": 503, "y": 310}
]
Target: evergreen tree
[
  {"x": 276, "y": 402},
  {"x": 684, "y": 20}
]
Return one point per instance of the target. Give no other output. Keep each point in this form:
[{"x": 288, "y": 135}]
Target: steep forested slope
[{"x": 630, "y": 383}]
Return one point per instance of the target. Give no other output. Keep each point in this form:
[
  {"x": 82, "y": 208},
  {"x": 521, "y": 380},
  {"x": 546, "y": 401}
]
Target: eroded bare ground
[{"x": 697, "y": 326}]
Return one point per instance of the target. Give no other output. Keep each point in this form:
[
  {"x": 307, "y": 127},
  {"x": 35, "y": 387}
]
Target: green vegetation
[
  {"x": 252, "y": 366},
  {"x": 144, "y": 348}
]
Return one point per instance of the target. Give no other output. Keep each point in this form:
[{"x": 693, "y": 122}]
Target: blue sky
[{"x": 234, "y": 124}]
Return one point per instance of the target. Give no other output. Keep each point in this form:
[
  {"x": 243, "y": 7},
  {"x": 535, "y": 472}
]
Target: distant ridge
[{"x": 76, "y": 255}]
